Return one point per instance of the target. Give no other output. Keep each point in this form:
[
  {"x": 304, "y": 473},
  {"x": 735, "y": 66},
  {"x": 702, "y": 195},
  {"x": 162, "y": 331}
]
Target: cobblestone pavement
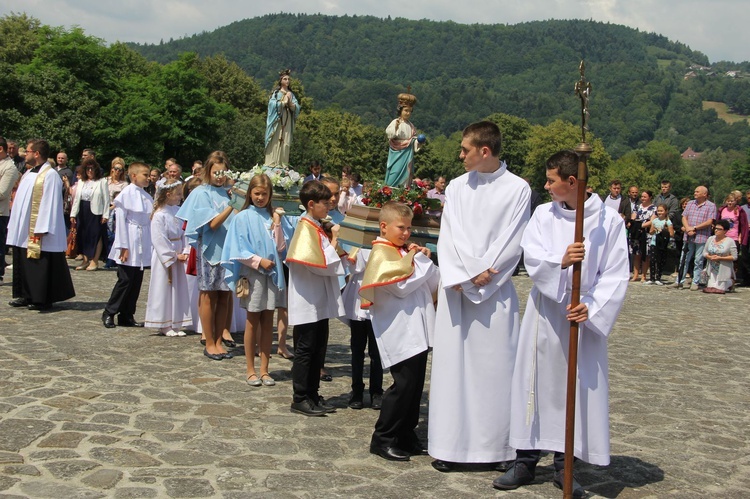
[{"x": 89, "y": 412}]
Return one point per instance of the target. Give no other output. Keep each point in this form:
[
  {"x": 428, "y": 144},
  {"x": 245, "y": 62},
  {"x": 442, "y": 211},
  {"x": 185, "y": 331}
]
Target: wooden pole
[
  {"x": 583, "y": 150},
  {"x": 583, "y": 90}
]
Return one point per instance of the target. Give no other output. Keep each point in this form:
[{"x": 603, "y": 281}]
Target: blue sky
[{"x": 718, "y": 28}]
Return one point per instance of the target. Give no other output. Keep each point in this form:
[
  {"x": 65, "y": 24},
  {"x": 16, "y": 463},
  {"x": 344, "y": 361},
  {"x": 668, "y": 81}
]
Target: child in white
[{"x": 168, "y": 306}]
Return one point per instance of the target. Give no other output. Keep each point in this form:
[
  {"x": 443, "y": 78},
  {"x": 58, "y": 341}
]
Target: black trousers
[
  {"x": 41, "y": 281},
  {"x": 125, "y": 293},
  {"x": 743, "y": 262},
  {"x": 364, "y": 337},
  {"x": 531, "y": 457},
  {"x": 310, "y": 341},
  {"x": 399, "y": 414}
]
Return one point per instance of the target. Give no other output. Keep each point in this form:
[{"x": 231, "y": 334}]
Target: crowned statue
[
  {"x": 283, "y": 110},
  {"x": 403, "y": 142}
]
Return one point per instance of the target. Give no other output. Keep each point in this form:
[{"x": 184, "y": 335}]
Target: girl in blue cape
[
  {"x": 208, "y": 214},
  {"x": 252, "y": 259}
]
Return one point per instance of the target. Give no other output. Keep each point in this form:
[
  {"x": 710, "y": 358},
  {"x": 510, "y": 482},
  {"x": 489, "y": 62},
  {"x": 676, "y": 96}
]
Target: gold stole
[
  {"x": 306, "y": 247},
  {"x": 384, "y": 266},
  {"x": 34, "y": 246}
]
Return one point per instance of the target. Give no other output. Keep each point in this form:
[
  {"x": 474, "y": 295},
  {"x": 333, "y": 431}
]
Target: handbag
[
  {"x": 703, "y": 278},
  {"x": 192, "y": 268},
  {"x": 72, "y": 249}
]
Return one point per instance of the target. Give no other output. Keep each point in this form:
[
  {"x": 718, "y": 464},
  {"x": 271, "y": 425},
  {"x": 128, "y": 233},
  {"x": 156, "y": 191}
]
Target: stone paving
[{"x": 88, "y": 412}]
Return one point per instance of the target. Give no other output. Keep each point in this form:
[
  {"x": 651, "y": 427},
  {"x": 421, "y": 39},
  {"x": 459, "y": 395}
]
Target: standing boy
[
  {"x": 131, "y": 248},
  {"x": 399, "y": 288},
  {"x": 485, "y": 213},
  {"x": 539, "y": 383},
  {"x": 314, "y": 296}
]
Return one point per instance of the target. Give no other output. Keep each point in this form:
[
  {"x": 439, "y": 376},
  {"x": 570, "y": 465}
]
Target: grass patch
[{"x": 723, "y": 111}]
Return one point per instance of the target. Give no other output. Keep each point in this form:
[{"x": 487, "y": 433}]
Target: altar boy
[
  {"x": 538, "y": 386},
  {"x": 399, "y": 288},
  {"x": 313, "y": 296},
  {"x": 131, "y": 248}
]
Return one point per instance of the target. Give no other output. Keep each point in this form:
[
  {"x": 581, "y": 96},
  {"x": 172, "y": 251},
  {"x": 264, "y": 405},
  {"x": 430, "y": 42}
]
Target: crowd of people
[
  {"x": 693, "y": 233},
  {"x": 218, "y": 266}
]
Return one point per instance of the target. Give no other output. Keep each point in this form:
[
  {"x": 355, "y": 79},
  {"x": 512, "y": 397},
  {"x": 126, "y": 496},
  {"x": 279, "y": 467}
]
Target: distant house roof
[{"x": 690, "y": 154}]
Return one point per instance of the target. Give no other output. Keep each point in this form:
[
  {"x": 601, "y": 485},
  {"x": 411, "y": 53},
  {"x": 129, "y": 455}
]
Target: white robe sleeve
[
  {"x": 121, "y": 230},
  {"x": 503, "y": 255},
  {"x": 50, "y": 207},
  {"x": 544, "y": 264},
  {"x": 605, "y": 296},
  {"x": 424, "y": 274}
]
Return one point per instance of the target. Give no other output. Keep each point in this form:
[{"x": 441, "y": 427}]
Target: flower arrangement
[
  {"x": 283, "y": 178},
  {"x": 414, "y": 196}
]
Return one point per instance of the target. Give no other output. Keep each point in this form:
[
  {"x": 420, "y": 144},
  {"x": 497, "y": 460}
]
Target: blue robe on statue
[
  {"x": 279, "y": 129},
  {"x": 401, "y": 147}
]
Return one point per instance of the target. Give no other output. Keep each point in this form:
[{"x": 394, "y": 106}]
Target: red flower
[
  {"x": 417, "y": 209},
  {"x": 386, "y": 190}
]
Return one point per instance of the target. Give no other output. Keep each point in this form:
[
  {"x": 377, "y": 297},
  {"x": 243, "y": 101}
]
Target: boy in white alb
[
  {"x": 131, "y": 248},
  {"x": 538, "y": 386},
  {"x": 399, "y": 288},
  {"x": 313, "y": 296}
]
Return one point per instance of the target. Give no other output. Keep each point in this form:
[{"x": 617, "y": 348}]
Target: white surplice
[
  {"x": 133, "y": 207},
  {"x": 49, "y": 222},
  {"x": 403, "y": 314},
  {"x": 168, "y": 303},
  {"x": 540, "y": 377},
  {"x": 476, "y": 328}
]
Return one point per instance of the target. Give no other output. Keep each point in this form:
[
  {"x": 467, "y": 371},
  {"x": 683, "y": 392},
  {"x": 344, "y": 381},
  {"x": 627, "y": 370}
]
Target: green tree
[
  {"x": 544, "y": 141},
  {"x": 515, "y": 132}
]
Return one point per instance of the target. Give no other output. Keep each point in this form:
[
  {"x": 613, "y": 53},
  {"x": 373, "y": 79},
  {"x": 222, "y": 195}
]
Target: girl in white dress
[{"x": 168, "y": 307}]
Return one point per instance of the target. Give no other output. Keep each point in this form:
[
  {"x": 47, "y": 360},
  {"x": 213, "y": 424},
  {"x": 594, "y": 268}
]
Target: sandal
[
  {"x": 267, "y": 380},
  {"x": 285, "y": 355},
  {"x": 254, "y": 380}
]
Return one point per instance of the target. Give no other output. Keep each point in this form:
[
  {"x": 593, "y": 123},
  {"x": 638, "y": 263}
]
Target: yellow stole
[
  {"x": 307, "y": 244},
  {"x": 384, "y": 266},
  {"x": 34, "y": 246}
]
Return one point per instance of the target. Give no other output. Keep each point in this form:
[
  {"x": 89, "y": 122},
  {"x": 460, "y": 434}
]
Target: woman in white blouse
[{"x": 90, "y": 212}]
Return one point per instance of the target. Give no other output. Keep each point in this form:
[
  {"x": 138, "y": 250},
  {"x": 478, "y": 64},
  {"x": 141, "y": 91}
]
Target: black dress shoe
[
  {"x": 203, "y": 341},
  {"x": 108, "y": 320},
  {"x": 326, "y": 377},
  {"x": 356, "y": 401},
  {"x": 41, "y": 307},
  {"x": 213, "y": 356},
  {"x": 376, "y": 401},
  {"x": 416, "y": 449},
  {"x": 517, "y": 475},
  {"x": 325, "y": 405},
  {"x": 229, "y": 343},
  {"x": 128, "y": 322},
  {"x": 19, "y": 302},
  {"x": 442, "y": 466},
  {"x": 578, "y": 491},
  {"x": 307, "y": 408},
  {"x": 389, "y": 453}
]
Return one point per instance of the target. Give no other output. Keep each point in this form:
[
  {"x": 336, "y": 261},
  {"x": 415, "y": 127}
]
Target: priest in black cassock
[{"x": 36, "y": 233}]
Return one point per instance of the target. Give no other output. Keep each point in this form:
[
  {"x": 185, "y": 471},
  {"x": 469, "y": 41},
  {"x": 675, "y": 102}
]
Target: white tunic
[
  {"x": 403, "y": 314},
  {"x": 49, "y": 221},
  {"x": 133, "y": 207},
  {"x": 477, "y": 328},
  {"x": 314, "y": 292},
  {"x": 350, "y": 295},
  {"x": 168, "y": 304},
  {"x": 538, "y": 416}
]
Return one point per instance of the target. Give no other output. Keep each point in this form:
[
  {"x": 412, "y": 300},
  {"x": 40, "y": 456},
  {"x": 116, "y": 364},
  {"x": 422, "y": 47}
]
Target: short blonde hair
[
  {"x": 393, "y": 210},
  {"x": 137, "y": 166}
]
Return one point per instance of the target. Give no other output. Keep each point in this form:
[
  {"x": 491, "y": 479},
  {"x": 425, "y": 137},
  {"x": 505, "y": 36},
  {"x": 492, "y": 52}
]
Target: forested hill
[{"x": 459, "y": 72}]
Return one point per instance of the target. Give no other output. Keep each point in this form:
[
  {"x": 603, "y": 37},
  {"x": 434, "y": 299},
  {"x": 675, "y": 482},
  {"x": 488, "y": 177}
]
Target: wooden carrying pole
[{"x": 583, "y": 89}]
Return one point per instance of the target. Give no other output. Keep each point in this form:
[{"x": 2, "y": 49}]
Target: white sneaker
[
  {"x": 647, "y": 282},
  {"x": 171, "y": 333},
  {"x": 659, "y": 283},
  {"x": 181, "y": 333}
]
